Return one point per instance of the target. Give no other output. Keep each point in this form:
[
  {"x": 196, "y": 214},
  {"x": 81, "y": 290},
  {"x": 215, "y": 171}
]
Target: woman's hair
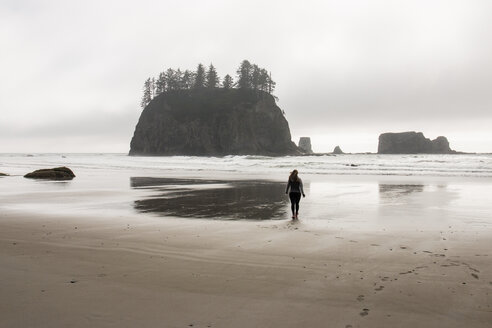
[{"x": 293, "y": 175}]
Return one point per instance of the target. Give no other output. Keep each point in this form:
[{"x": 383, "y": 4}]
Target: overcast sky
[{"x": 71, "y": 72}]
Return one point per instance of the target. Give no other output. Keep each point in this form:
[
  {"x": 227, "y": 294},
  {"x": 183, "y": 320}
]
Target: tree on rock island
[
  {"x": 160, "y": 84},
  {"x": 249, "y": 76},
  {"x": 244, "y": 75},
  {"x": 148, "y": 92},
  {"x": 187, "y": 80},
  {"x": 212, "y": 80},
  {"x": 228, "y": 82},
  {"x": 199, "y": 77}
]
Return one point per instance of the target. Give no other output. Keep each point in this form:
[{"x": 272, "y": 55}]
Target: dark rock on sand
[
  {"x": 337, "y": 150},
  {"x": 57, "y": 173},
  {"x": 412, "y": 143},
  {"x": 213, "y": 122},
  {"x": 305, "y": 145}
]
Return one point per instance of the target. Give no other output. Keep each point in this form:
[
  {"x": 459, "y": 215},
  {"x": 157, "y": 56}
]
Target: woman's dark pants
[{"x": 295, "y": 198}]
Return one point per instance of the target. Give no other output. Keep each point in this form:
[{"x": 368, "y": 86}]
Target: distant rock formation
[
  {"x": 305, "y": 145},
  {"x": 213, "y": 122},
  {"x": 3, "y": 174},
  {"x": 57, "y": 173},
  {"x": 412, "y": 143},
  {"x": 337, "y": 150}
]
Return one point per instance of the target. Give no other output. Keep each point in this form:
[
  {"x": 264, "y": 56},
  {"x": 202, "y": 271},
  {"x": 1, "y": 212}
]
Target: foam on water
[{"x": 469, "y": 165}]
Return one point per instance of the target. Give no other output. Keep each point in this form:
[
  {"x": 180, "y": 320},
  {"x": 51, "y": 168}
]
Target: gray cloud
[
  {"x": 119, "y": 124},
  {"x": 75, "y": 69}
]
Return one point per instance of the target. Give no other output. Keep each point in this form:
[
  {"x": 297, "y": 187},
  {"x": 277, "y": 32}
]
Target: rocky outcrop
[
  {"x": 337, "y": 150},
  {"x": 3, "y": 174},
  {"x": 57, "y": 173},
  {"x": 212, "y": 122},
  {"x": 305, "y": 145},
  {"x": 412, "y": 143}
]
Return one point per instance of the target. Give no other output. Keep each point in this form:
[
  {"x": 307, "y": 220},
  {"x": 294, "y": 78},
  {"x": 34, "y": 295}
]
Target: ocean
[{"x": 459, "y": 165}]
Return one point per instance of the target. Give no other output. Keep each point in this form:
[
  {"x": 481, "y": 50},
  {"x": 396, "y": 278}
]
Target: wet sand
[
  {"x": 212, "y": 199},
  {"x": 407, "y": 255}
]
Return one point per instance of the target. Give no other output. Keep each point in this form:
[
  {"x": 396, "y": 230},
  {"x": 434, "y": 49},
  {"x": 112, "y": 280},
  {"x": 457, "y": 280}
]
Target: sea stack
[
  {"x": 305, "y": 145},
  {"x": 338, "y": 150},
  {"x": 213, "y": 122},
  {"x": 412, "y": 142}
]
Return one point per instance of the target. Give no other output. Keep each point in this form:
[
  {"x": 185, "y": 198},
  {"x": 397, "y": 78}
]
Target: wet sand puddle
[{"x": 212, "y": 199}]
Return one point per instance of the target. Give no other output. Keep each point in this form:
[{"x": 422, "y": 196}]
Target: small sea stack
[
  {"x": 305, "y": 145},
  {"x": 338, "y": 150}
]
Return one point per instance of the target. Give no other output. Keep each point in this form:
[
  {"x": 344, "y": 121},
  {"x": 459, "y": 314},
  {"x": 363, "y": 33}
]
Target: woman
[{"x": 295, "y": 186}]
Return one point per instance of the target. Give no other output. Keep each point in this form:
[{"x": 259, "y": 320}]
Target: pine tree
[
  {"x": 160, "y": 84},
  {"x": 212, "y": 79},
  {"x": 244, "y": 75},
  {"x": 152, "y": 88},
  {"x": 227, "y": 83},
  {"x": 147, "y": 93},
  {"x": 271, "y": 84},
  {"x": 199, "y": 77},
  {"x": 187, "y": 80},
  {"x": 172, "y": 82},
  {"x": 178, "y": 76},
  {"x": 255, "y": 77},
  {"x": 263, "y": 80}
]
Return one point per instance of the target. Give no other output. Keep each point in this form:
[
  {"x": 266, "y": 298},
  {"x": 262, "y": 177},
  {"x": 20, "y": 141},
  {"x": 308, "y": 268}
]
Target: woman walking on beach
[{"x": 296, "y": 190}]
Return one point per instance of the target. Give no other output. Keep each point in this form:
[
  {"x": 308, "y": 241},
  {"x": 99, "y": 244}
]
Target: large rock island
[
  {"x": 412, "y": 143},
  {"x": 212, "y": 122}
]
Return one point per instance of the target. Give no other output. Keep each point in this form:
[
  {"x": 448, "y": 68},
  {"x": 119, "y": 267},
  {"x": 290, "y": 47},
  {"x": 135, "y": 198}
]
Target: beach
[{"x": 134, "y": 248}]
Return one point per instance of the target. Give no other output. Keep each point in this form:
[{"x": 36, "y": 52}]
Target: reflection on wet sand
[
  {"x": 215, "y": 199},
  {"x": 417, "y": 195},
  {"x": 394, "y": 190}
]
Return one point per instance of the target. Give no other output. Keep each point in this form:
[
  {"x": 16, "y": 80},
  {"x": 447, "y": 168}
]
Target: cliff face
[
  {"x": 212, "y": 122},
  {"x": 412, "y": 143}
]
